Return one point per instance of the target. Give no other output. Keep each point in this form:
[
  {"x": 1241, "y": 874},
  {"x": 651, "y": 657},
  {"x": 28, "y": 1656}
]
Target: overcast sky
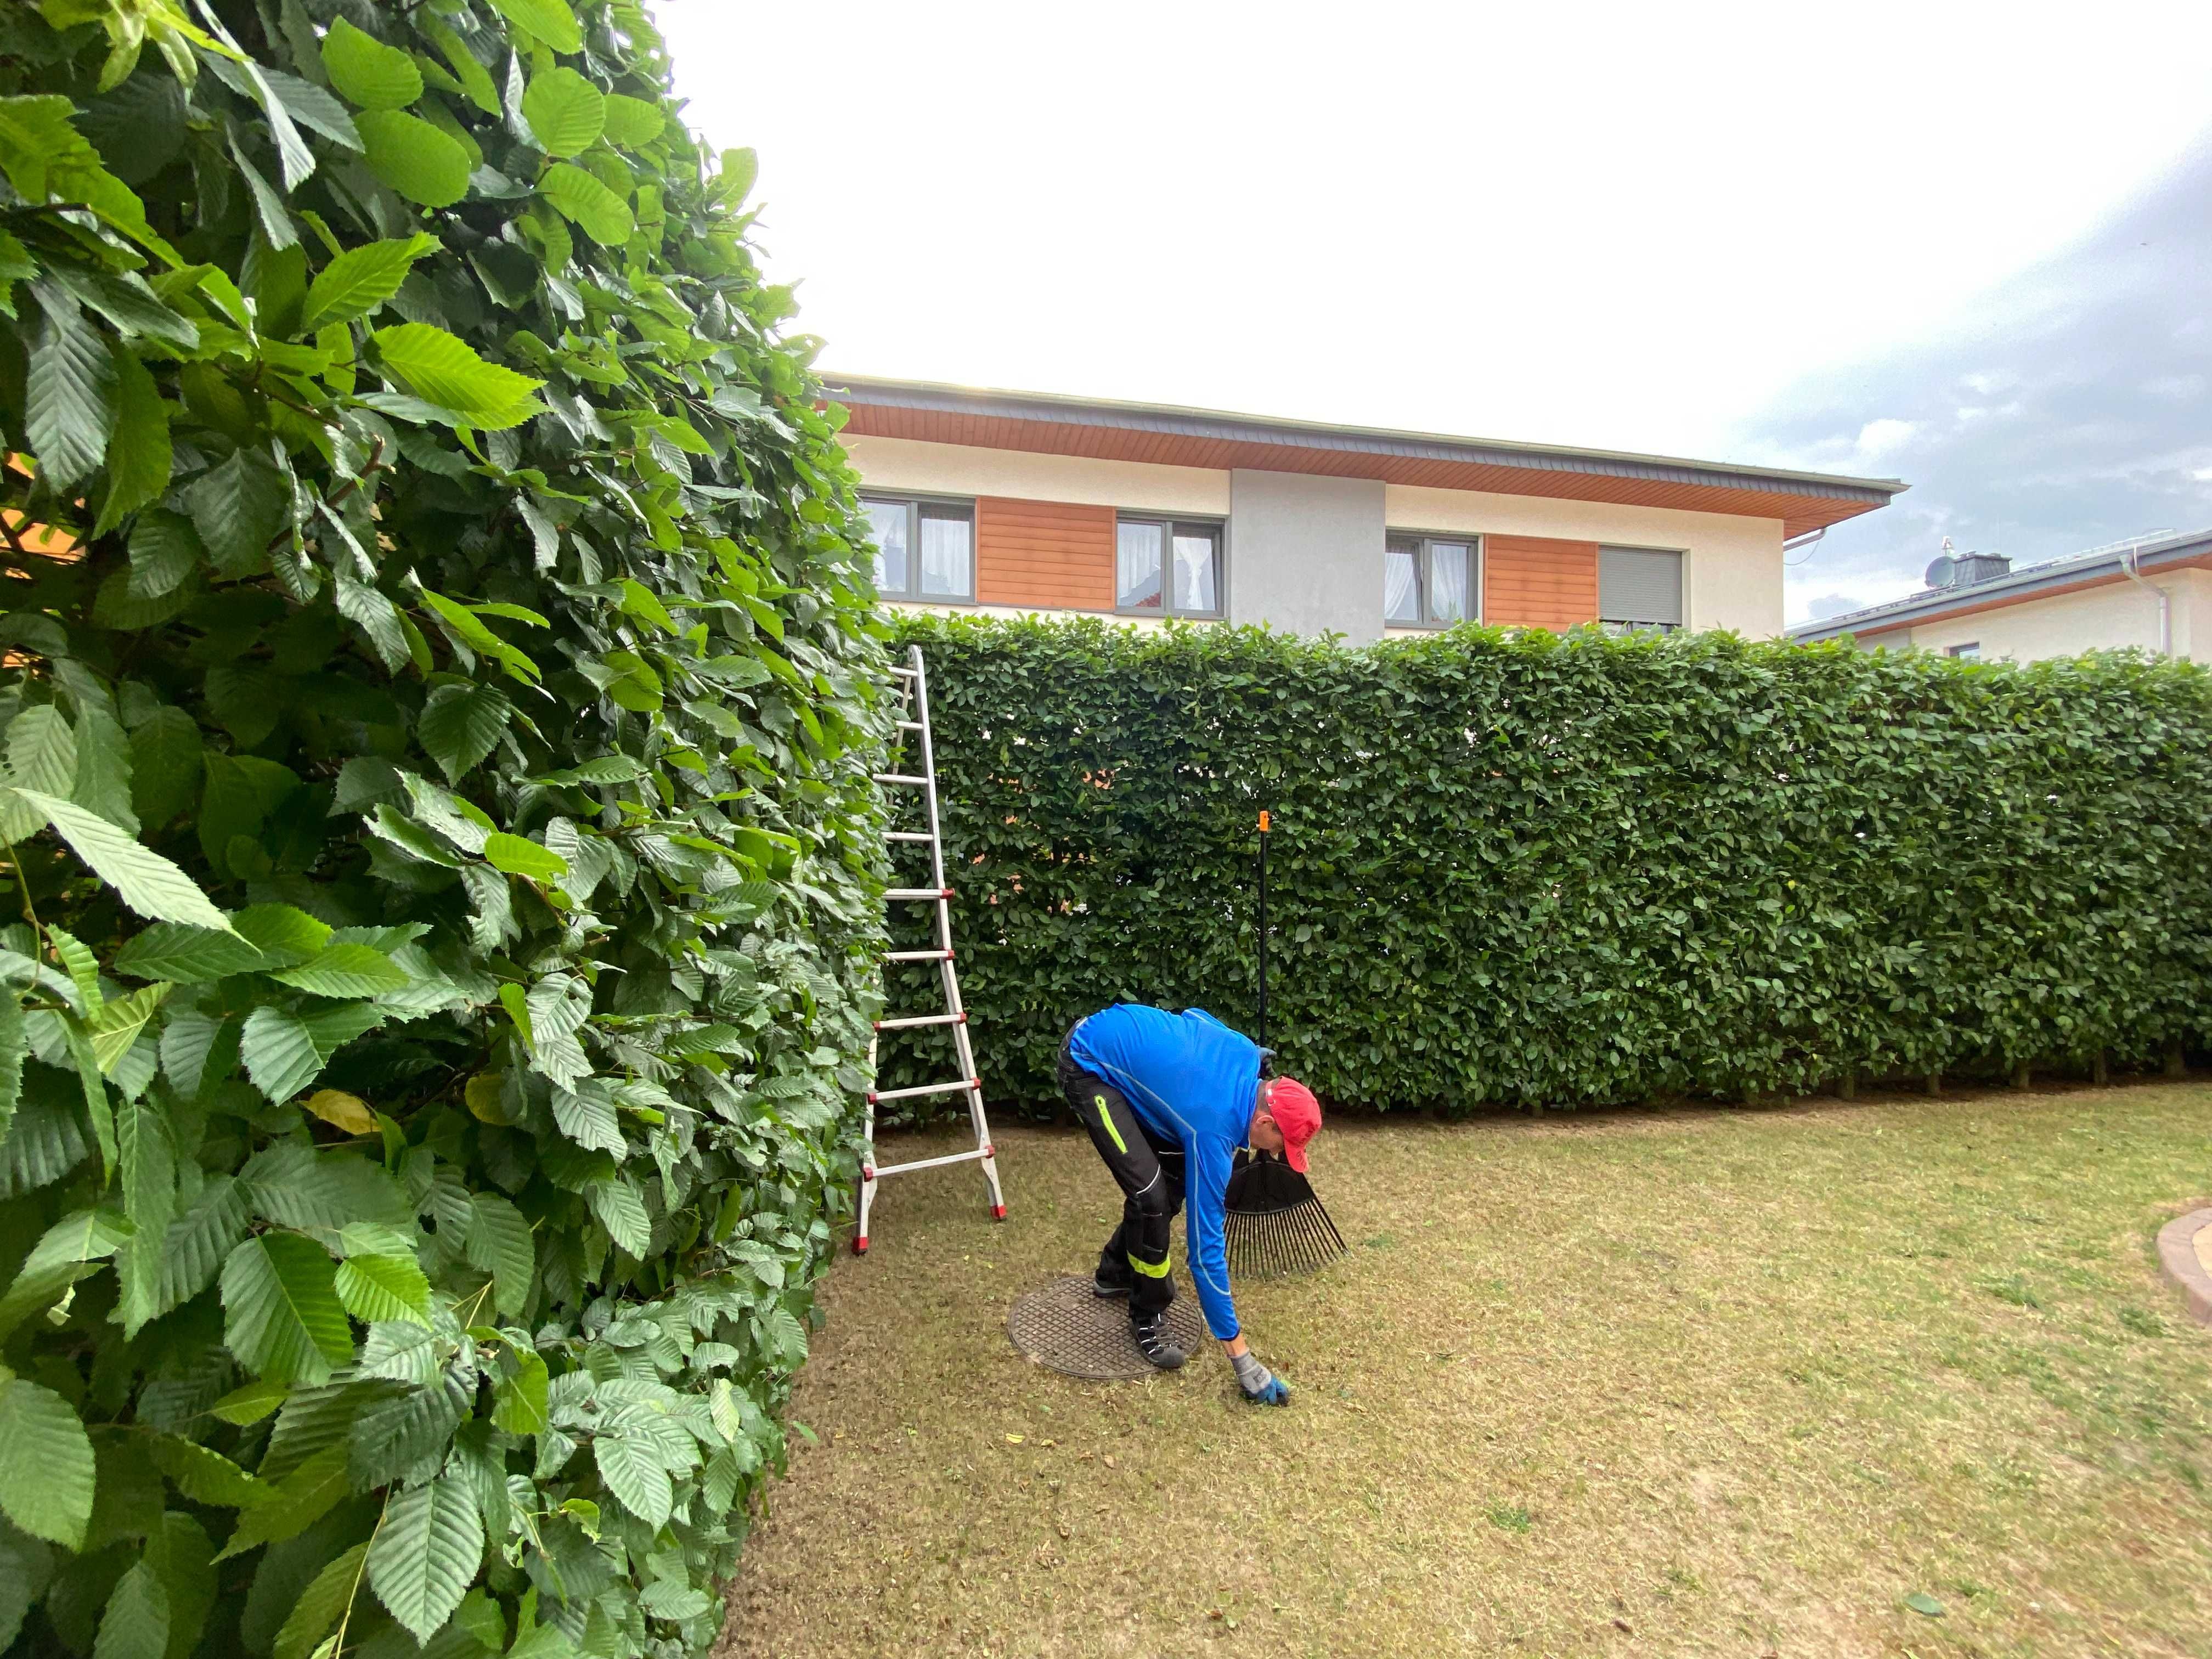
[{"x": 1963, "y": 244}]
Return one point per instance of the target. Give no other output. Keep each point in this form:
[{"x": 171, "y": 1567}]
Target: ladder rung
[
  {"x": 932, "y": 1163},
  {"x": 909, "y": 725},
  {"x": 918, "y": 956},
  {"x": 918, "y": 893},
  {"x": 900, "y": 777},
  {"x": 911, "y": 1020},
  {"x": 906, "y": 835},
  {"x": 960, "y": 1088},
  {"x": 903, "y": 673}
]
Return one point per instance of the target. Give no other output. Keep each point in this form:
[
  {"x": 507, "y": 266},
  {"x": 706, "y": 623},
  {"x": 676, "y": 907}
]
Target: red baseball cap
[{"x": 1297, "y": 1113}]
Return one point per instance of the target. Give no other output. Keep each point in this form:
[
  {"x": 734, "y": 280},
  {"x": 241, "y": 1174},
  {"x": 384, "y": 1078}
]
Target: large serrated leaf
[
  {"x": 549, "y": 21},
  {"x": 565, "y": 111},
  {"x": 196, "y": 1243},
  {"x": 588, "y": 203},
  {"x": 149, "y": 884},
  {"x": 441, "y": 368},
  {"x": 283, "y": 1320},
  {"x": 621, "y": 1210},
  {"x": 135, "y": 1624},
  {"x": 365, "y": 70},
  {"x": 187, "y": 955},
  {"x": 384, "y": 1287},
  {"x": 69, "y": 410},
  {"x": 345, "y": 971},
  {"x": 139, "y": 452},
  {"x": 426, "y": 1554},
  {"x": 461, "y": 725},
  {"x": 46, "y": 1469},
  {"x": 280, "y": 1053},
  {"x": 499, "y": 1241},
  {"x": 636, "y": 1475},
  {"x": 327, "y": 1596},
  {"x": 206, "y": 1476},
  {"x": 360, "y": 279},
  {"x": 412, "y": 156}
]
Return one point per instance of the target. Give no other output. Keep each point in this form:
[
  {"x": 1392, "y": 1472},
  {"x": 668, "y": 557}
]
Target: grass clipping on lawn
[{"x": 1871, "y": 1379}]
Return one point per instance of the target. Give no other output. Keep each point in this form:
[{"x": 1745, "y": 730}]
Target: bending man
[{"x": 1168, "y": 1099}]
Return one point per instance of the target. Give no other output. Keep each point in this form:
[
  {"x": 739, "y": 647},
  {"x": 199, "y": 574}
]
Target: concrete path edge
[{"x": 2177, "y": 1255}]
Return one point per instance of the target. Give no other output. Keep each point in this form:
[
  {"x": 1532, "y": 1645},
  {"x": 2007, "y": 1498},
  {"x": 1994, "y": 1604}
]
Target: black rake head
[{"x": 1276, "y": 1225}]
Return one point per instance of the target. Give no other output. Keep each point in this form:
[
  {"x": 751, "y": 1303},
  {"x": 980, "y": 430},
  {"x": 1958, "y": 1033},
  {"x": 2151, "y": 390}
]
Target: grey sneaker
[{"x": 1154, "y": 1342}]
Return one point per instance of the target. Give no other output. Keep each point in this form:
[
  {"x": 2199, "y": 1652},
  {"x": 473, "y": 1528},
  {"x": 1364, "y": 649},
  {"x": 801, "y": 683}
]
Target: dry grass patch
[{"x": 1688, "y": 1381}]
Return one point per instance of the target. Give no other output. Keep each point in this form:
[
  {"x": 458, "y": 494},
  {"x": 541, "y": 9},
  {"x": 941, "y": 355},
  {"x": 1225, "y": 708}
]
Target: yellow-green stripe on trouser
[{"x": 1150, "y": 1176}]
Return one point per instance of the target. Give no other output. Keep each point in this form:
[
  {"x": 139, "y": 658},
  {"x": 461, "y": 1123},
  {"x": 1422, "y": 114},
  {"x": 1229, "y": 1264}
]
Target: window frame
[
  {"x": 1423, "y": 584},
  {"x": 1965, "y": 651},
  {"x": 1619, "y": 626},
  {"x": 1166, "y": 523},
  {"x": 913, "y": 502}
]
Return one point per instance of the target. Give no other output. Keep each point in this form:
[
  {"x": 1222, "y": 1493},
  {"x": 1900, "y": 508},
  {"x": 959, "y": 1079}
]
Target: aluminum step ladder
[{"x": 914, "y": 716}]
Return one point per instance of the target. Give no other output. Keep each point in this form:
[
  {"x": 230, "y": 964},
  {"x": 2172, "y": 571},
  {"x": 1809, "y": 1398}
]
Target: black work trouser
[{"x": 1150, "y": 1173}]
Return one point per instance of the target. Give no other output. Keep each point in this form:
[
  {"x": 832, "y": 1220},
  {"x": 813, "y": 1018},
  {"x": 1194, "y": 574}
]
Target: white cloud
[{"x": 1878, "y": 440}]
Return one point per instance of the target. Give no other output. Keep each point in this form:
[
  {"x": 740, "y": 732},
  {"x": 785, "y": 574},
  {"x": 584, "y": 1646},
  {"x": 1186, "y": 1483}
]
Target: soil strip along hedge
[
  {"x": 436, "y": 777},
  {"x": 1547, "y": 871}
]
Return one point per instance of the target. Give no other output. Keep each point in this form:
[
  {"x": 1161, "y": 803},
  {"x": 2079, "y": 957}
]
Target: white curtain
[
  {"x": 1401, "y": 598},
  {"x": 947, "y": 554},
  {"x": 887, "y": 520},
  {"x": 1448, "y": 582},
  {"x": 1193, "y": 587},
  {"x": 1137, "y": 562}
]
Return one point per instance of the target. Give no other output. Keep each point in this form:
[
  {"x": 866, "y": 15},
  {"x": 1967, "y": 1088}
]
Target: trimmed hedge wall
[
  {"x": 439, "y": 698},
  {"x": 1551, "y": 870}
]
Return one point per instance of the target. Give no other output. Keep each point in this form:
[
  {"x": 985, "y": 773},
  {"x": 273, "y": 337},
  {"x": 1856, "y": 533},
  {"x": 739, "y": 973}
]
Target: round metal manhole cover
[{"x": 1066, "y": 1326}]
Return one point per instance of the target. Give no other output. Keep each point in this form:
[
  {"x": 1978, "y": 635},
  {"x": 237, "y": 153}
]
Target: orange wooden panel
[
  {"x": 1053, "y": 555},
  {"x": 1534, "y": 581}
]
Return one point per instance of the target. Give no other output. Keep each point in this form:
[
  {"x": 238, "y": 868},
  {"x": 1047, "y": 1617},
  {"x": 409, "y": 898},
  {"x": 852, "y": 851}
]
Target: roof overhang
[
  {"x": 2037, "y": 581},
  {"x": 1044, "y": 424}
]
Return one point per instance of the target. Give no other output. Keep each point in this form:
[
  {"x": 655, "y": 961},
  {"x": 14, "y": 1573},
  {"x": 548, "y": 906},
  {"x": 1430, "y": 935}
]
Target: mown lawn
[{"x": 1699, "y": 1380}]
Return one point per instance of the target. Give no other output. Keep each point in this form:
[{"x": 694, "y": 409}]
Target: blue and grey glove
[{"x": 1261, "y": 1386}]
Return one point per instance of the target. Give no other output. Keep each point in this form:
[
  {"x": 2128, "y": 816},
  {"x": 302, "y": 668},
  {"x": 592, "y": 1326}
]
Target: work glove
[{"x": 1261, "y": 1386}]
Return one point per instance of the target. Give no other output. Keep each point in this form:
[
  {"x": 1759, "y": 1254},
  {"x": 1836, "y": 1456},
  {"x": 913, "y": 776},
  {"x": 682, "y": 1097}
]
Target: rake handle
[{"x": 1263, "y": 929}]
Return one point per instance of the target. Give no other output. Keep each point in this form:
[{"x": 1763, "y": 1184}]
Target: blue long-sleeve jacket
[{"x": 1193, "y": 1081}]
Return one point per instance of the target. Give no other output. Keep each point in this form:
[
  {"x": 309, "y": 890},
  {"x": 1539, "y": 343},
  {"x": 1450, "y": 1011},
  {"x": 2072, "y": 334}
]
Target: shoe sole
[{"x": 1109, "y": 1294}]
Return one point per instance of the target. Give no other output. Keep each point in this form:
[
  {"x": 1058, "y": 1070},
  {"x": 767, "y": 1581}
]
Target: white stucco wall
[
  {"x": 2105, "y": 617},
  {"x": 1732, "y": 570},
  {"x": 958, "y": 470}
]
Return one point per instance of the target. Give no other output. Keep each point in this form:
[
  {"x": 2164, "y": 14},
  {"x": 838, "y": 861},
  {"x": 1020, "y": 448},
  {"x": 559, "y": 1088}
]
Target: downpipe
[{"x": 2129, "y": 568}]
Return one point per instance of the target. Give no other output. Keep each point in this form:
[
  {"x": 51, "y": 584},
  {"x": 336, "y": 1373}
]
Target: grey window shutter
[{"x": 1636, "y": 585}]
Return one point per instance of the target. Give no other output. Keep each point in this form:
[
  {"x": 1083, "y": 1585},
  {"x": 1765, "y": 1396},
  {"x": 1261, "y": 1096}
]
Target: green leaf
[
  {"x": 519, "y": 1402},
  {"x": 401, "y": 1351},
  {"x": 27, "y": 1567},
  {"x": 740, "y": 169},
  {"x": 280, "y": 1053},
  {"x": 426, "y": 1554},
  {"x": 462, "y": 724},
  {"x": 384, "y": 1287},
  {"x": 71, "y": 1248},
  {"x": 441, "y": 369},
  {"x": 134, "y": 1625},
  {"x": 499, "y": 1241},
  {"x": 469, "y": 627},
  {"x": 70, "y": 405},
  {"x": 46, "y": 1469},
  {"x": 565, "y": 111},
  {"x": 14, "y": 1046},
  {"x": 283, "y": 933},
  {"x": 198, "y": 1241},
  {"x": 186, "y": 955},
  {"x": 139, "y": 453},
  {"x": 165, "y": 765},
  {"x": 102, "y": 783},
  {"x": 549, "y": 21},
  {"x": 346, "y": 970},
  {"x": 476, "y": 81},
  {"x": 360, "y": 279},
  {"x": 205, "y": 1475},
  {"x": 149, "y": 1198},
  {"x": 632, "y": 121},
  {"x": 413, "y": 157},
  {"x": 377, "y": 618},
  {"x": 239, "y": 508},
  {"x": 621, "y": 1210},
  {"x": 327, "y": 1596},
  {"x": 588, "y": 203},
  {"x": 636, "y": 1476},
  {"x": 517, "y": 857},
  {"x": 164, "y": 551},
  {"x": 250, "y": 1404},
  {"x": 142, "y": 877},
  {"x": 363, "y": 69},
  {"x": 299, "y": 1500},
  {"x": 1921, "y": 1603},
  {"x": 41, "y": 754},
  {"x": 282, "y": 1318},
  {"x": 118, "y": 1024}
]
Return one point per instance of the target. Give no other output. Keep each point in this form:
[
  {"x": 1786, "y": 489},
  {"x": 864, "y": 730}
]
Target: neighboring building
[
  {"x": 2155, "y": 595},
  {"x": 1018, "y": 503}
]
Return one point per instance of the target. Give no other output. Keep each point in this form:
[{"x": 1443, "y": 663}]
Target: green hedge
[
  {"x": 1546, "y": 870},
  {"x": 445, "y": 862}
]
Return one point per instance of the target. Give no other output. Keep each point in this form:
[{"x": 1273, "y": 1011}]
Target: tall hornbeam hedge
[
  {"x": 1547, "y": 871},
  {"x": 441, "y": 860}
]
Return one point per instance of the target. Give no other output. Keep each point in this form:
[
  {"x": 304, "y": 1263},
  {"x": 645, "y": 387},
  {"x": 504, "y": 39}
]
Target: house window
[
  {"x": 1639, "y": 590},
  {"x": 1969, "y": 651},
  {"x": 1167, "y": 567},
  {"x": 1430, "y": 581},
  {"x": 925, "y": 549}
]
